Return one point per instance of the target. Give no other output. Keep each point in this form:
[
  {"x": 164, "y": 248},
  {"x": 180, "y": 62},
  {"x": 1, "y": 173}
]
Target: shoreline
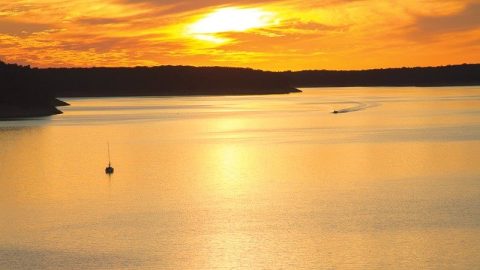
[{"x": 9, "y": 112}]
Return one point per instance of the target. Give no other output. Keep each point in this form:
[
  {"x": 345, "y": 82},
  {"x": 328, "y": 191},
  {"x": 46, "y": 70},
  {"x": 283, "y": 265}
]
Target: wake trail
[{"x": 360, "y": 106}]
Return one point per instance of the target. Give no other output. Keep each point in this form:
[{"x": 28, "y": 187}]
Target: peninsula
[
  {"x": 21, "y": 97},
  {"x": 28, "y": 92}
]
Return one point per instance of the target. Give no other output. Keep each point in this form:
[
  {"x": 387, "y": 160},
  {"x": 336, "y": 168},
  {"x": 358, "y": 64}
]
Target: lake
[{"x": 247, "y": 182}]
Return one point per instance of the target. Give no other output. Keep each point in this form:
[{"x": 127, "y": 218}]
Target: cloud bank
[{"x": 330, "y": 34}]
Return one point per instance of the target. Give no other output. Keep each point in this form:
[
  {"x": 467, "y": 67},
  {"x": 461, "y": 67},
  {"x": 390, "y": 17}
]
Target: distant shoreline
[
  {"x": 247, "y": 92},
  {"x": 453, "y": 75},
  {"x": 385, "y": 85},
  {"x": 29, "y": 92}
]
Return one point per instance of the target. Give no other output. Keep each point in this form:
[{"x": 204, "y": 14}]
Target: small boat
[
  {"x": 335, "y": 111},
  {"x": 109, "y": 169}
]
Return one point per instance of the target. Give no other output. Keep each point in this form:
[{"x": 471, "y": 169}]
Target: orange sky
[{"x": 271, "y": 35}]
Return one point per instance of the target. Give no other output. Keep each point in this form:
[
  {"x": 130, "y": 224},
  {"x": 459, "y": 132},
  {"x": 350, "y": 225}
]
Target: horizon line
[{"x": 235, "y": 67}]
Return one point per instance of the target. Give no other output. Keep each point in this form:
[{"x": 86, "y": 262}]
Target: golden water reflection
[{"x": 213, "y": 183}]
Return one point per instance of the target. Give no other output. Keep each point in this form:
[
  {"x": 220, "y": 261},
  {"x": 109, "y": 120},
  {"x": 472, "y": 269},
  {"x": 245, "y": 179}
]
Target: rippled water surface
[{"x": 392, "y": 181}]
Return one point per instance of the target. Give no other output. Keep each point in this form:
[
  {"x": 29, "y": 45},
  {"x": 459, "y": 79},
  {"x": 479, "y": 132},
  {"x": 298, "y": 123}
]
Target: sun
[{"x": 230, "y": 19}]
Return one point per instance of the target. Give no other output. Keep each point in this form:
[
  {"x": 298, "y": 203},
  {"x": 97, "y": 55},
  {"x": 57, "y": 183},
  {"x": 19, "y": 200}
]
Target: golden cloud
[{"x": 273, "y": 35}]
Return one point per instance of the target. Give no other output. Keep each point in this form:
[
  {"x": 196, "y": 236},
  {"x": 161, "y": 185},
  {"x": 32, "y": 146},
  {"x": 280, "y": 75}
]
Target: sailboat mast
[
  {"x": 108, "y": 146},
  {"x": 109, "y": 169}
]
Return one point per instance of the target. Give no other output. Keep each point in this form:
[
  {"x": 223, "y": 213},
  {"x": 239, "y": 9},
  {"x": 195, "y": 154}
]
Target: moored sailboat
[{"x": 109, "y": 169}]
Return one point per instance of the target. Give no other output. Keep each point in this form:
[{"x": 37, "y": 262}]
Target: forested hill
[
  {"x": 22, "y": 94},
  {"x": 466, "y": 74},
  {"x": 26, "y": 91},
  {"x": 163, "y": 80}
]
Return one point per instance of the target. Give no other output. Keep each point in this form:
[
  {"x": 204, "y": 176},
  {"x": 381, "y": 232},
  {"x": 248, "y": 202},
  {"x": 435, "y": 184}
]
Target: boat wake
[{"x": 359, "y": 106}]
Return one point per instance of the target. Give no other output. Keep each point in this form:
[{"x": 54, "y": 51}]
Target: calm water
[{"x": 250, "y": 182}]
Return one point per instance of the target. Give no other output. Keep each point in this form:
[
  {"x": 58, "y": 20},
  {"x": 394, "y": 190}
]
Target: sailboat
[{"x": 109, "y": 169}]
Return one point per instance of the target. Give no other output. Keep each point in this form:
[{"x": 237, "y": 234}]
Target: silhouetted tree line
[
  {"x": 466, "y": 74},
  {"x": 21, "y": 94},
  {"x": 26, "y": 91},
  {"x": 163, "y": 80}
]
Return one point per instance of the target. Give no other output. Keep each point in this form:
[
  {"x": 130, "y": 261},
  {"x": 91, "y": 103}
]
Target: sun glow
[
  {"x": 272, "y": 35},
  {"x": 231, "y": 19}
]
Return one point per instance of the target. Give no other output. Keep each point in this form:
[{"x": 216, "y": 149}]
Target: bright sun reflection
[{"x": 230, "y": 20}]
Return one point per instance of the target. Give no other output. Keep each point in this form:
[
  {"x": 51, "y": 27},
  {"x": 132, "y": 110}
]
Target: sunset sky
[{"x": 270, "y": 35}]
